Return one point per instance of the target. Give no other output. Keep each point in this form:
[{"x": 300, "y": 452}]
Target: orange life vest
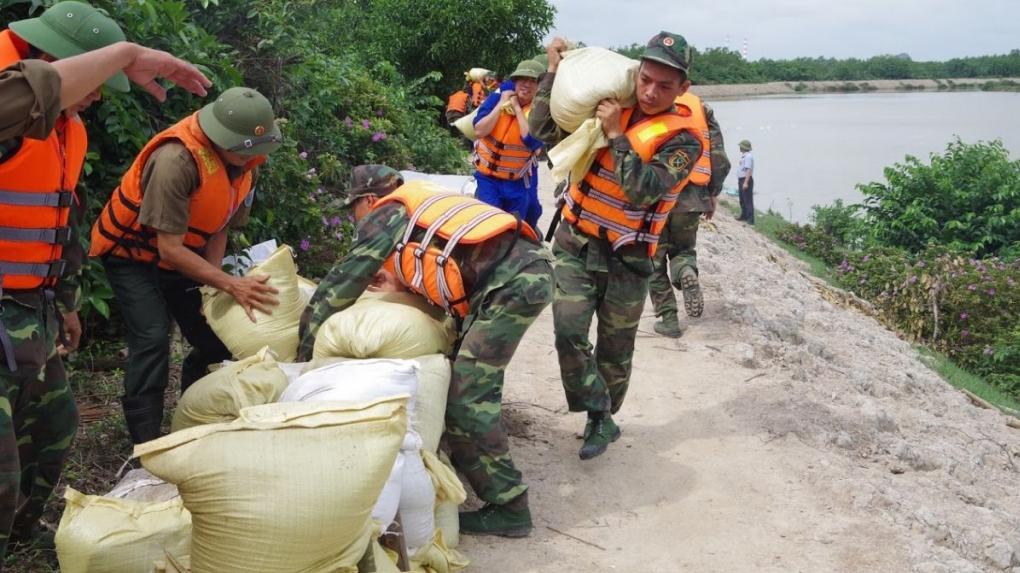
[
  {"x": 690, "y": 105},
  {"x": 118, "y": 231},
  {"x": 598, "y": 206},
  {"x": 454, "y": 219},
  {"x": 502, "y": 154},
  {"x": 37, "y": 190},
  {"x": 478, "y": 94},
  {"x": 458, "y": 102}
]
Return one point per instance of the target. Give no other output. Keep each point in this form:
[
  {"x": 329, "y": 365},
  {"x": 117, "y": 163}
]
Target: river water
[{"x": 813, "y": 149}]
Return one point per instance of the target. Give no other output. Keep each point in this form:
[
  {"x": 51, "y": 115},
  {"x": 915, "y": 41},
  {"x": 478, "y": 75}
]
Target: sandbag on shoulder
[{"x": 585, "y": 77}]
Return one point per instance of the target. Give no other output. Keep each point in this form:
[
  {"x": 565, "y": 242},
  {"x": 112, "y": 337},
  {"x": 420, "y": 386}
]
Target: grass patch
[
  {"x": 964, "y": 380},
  {"x": 769, "y": 224}
]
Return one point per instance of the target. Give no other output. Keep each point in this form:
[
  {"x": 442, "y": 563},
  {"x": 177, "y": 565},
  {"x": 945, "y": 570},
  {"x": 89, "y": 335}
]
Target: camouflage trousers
[
  {"x": 676, "y": 251},
  {"x": 595, "y": 379},
  {"x": 38, "y": 417},
  {"x": 478, "y": 443}
]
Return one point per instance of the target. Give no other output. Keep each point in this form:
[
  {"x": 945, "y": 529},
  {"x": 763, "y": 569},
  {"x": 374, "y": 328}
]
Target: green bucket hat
[
  {"x": 543, "y": 60},
  {"x": 528, "y": 69},
  {"x": 372, "y": 179},
  {"x": 70, "y": 28},
  {"x": 241, "y": 121},
  {"x": 669, "y": 49},
  {"x": 745, "y": 145}
]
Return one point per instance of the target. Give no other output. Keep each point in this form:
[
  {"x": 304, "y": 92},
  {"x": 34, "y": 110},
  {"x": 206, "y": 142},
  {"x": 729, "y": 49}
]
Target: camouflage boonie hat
[
  {"x": 372, "y": 179},
  {"x": 669, "y": 49},
  {"x": 71, "y": 28}
]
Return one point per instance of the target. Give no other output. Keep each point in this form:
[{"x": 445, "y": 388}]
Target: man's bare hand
[
  {"x": 147, "y": 65},
  {"x": 554, "y": 51},
  {"x": 72, "y": 333},
  {"x": 609, "y": 111},
  {"x": 715, "y": 207},
  {"x": 252, "y": 293}
]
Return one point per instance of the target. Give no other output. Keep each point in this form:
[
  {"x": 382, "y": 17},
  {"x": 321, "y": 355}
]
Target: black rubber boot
[{"x": 144, "y": 416}]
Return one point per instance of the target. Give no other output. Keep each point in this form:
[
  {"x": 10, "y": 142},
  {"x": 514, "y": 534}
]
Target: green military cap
[
  {"x": 70, "y": 28},
  {"x": 669, "y": 49},
  {"x": 372, "y": 179},
  {"x": 241, "y": 120},
  {"x": 543, "y": 60},
  {"x": 528, "y": 69},
  {"x": 745, "y": 145}
]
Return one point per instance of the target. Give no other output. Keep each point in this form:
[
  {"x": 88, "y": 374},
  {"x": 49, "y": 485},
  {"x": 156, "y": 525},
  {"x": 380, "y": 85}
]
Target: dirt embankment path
[{"x": 783, "y": 432}]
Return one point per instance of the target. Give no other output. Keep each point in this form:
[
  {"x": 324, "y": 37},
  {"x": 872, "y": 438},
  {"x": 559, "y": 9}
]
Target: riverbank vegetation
[
  {"x": 725, "y": 66},
  {"x": 935, "y": 247}
]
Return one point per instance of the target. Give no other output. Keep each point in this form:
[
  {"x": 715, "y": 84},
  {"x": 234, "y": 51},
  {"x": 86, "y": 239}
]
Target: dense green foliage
[
  {"x": 935, "y": 248},
  {"x": 725, "y": 66},
  {"x": 353, "y": 82}
]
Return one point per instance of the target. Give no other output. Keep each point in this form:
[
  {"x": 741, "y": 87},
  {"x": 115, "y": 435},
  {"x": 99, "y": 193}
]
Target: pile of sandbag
[
  {"x": 402, "y": 340},
  {"x": 323, "y": 455},
  {"x": 585, "y": 77},
  {"x": 279, "y": 330}
]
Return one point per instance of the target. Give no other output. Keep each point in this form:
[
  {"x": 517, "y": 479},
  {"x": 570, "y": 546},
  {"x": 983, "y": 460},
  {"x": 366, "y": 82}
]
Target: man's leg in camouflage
[
  {"x": 683, "y": 260},
  {"x": 660, "y": 289},
  {"x": 618, "y": 315},
  {"x": 575, "y": 299},
  {"x": 26, "y": 327},
  {"x": 478, "y": 443},
  {"x": 46, "y": 427}
]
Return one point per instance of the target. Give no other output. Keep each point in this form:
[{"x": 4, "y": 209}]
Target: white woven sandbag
[
  {"x": 385, "y": 509},
  {"x": 417, "y": 503},
  {"x": 466, "y": 125}
]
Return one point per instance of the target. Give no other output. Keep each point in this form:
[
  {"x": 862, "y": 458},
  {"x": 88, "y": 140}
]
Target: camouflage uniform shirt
[
  {"x": 643, "y": 183},
  {"x": 377, "y": 238}
]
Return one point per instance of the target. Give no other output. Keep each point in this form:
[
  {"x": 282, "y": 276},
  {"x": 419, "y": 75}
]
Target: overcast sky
[{"x": 925, "y": 29}]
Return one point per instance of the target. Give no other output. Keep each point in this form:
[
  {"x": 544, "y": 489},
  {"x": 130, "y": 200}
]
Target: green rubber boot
[
  {"x": 598, "y": 434},
  {"x": 668, "y": 325},
  {"x": 510, "y": 520}
]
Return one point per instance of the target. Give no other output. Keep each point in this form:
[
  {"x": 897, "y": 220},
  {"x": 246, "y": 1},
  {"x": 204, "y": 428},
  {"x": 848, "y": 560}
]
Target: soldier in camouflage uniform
[
  {"x": 38, "y": 415},
  {"x": 591, "y": 277},
  {"x": 509, "y": 282},
  {"x": 677, "y": 241}
]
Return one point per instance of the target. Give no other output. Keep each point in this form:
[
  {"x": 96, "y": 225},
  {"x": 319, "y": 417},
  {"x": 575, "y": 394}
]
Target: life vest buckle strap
[
  {"x": 43, "y": 270},
  {"x": 58, "y": 236},
  {"x": 23, "y": 199}
]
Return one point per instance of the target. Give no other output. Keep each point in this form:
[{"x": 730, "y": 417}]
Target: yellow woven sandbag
[
  {"x": 285, "y": 487},
  {"x": 220, "y": 396},
  {"x": 105, "y": 535},
  {"x": 444, "y": 479},
  {"x": 584, "y": 78},
  {"x": 466, "y": 125},
  {"x": 430, "y": 404},
  {"x": 385, "y": 561},
  {"x": 384, "y": 325},
  {"x": 447, "y": 512},
  {"x": 438, "y": 557},
  {"x": 278, "y": 331},
  {"x": 477, "y": 74}
]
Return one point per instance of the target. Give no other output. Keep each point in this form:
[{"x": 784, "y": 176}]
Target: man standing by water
[{"x": 745, "y": 182}]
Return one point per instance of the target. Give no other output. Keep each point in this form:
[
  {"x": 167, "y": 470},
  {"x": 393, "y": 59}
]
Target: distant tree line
[{"x": 725, "y": 66}]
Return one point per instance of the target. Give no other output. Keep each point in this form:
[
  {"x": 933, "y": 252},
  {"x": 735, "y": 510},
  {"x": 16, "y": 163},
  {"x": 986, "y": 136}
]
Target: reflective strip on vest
[{"x": 55, "y": 199}]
